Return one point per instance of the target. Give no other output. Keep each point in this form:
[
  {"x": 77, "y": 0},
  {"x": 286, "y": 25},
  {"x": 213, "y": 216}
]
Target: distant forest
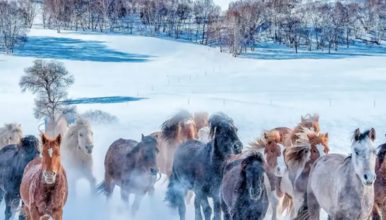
[{"x": 297, "y": 24}]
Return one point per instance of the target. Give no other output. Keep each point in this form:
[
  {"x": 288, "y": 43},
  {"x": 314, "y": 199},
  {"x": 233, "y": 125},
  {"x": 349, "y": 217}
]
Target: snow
[{"x": 258, "y": 91}]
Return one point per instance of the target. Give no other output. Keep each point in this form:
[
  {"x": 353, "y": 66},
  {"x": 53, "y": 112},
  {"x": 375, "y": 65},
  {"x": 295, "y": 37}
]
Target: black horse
[
  {"x": 199, "y": 167},
  {"x": 244, "y": 192},
  {"x": 13, "y": 160}
]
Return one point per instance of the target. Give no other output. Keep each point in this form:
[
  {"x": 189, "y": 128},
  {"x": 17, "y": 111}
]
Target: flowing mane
[
  {"x": 308, "y": 136},
  {"x": 7, "y": 131},
  {"x": 260, "y": 143},
  {"x": 170, "y": 127},
  {"x": 70, "y": 139},
  {"x": 291, "y": 138},
  {"x": 297, "y": 155}
]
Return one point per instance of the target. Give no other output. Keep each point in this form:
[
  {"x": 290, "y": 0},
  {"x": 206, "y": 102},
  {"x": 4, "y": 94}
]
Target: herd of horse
[{"x": 283, "y": 171}]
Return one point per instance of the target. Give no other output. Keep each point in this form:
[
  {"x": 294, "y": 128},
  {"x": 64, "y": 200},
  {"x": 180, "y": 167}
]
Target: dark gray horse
[
  {"x": 13, "y": 160},
  {"x": 245, "y": 189},
  {"x": 199, "y": 167}
]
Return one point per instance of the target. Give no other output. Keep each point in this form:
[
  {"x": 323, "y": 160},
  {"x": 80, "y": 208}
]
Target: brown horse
[
  {"x": 380, "y": 185},
  {"x": 273, "y": 152},
  {"x": 176, "y": 130},
  {"x": 299, "y": 158},
  {"x": 133, "y": 167},
  {"x": 44, "y": 185},
  {"x": 309, "y": 122},
  {"x": 201, "y": 119}
]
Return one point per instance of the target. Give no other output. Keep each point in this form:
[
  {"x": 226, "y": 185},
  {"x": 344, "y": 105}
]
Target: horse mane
[
  {"x": 297, "y": 154},
  {"x": 199, "y": 117},
  {"x": 309, "y": 117},
  {"x": 71, "y": 136},
  {"x": 216, "y": 120},
  {"x": 169, "y": 128},
  {"x": 381, "y": 153},
  {"x": 268, "y": 136},
  {"x": 8, "y": 129},
  {"x": 303, "y": 136}
]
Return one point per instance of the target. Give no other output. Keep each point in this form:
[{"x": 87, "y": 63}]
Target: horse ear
[
  {"x": 58, "y": 140},
  {"x": 43, "y": 137},
  {"x": 357, "y": 134},
  {"x": 142, "y": 137},
  {"x": 265, "y": 136},
  {"x": 243, "y": 165},
  {"x": 372, "y": 134},
  {"x": 301, "y": 118},
  {"x": 316, "y": 118},
  {"x": 281, "y": 138},
  {"x": 326, "y": 135}
]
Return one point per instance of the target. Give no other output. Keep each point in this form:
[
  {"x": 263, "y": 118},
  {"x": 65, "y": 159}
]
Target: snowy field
[{"x": 270, "y": 88}]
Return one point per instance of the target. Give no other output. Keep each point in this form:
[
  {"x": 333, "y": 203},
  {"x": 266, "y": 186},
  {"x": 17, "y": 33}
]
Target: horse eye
[
  {"x": 81, "y": 135},
  {"x": 272, "y": 151},
  {"x": 356, "y": 152}
]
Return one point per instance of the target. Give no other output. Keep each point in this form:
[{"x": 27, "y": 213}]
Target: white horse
[
  {"x": 76, "y": 149},
  {"x": 10, "y": 134},
  {"x": 203, "y": 134}
]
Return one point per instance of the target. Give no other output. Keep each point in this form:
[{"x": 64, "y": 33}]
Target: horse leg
[
  {"x": 216, "y": 206},
  {"x": 151, "y": 192},
  {"x": 235, "y": 214},
  {"x": 136, "y": 203},
  {"x": 109, "y": 186},
  {"x": 197, "y": 208},
  {"x": 169, "y": 160},
  {"x": 313, "y": 206},
  {"x": 274, "y": 203},
  {"x": 225, "y": 209},
  {"x": 188, "y": 197},
  {"x": 58, "y": 214},
  {"x": 375, "y": 213},
  {"x": 298, "y": 200},
  {"x": 90, "y": 177},
  {"x": 34, "y": 213},
  {"x": 383, "y": 213},
  {"x": 8, "y": 203},
  {"x": 206, "y": 207}
]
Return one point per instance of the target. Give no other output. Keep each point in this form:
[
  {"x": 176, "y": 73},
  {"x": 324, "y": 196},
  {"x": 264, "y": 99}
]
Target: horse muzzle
[
  {"x": 89, "y": 149},
  {"x": 49, "y": 177},
  {"x": 255, "y": 193},
  {"x": 368, "y": 179},
  {"x": 154, "y": 171},
  {"x": 279, "y": 171}
]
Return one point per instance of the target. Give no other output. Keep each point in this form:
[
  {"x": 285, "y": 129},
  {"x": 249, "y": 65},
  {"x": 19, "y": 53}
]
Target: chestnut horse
[
  {"x": 176, "y": 130},
  {"x": 133, "y": 167},
  {"x": 380, "y": 185},
  {"x": 299, "y": 158},
  {"x": 273, "y": 152},
  {"x": 43, "y": 188},
  {"x": 245, "y": 189}
]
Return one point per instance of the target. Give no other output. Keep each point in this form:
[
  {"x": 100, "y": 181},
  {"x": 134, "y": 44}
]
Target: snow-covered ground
[{"x": 270, "y": 88}]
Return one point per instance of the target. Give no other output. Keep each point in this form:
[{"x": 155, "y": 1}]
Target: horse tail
[
  {"x": 101, "y": 188},
  {"x": 303, "y": 211},
  {"x": 286, "y": 204},
  {"x": 176, "y": 192}
]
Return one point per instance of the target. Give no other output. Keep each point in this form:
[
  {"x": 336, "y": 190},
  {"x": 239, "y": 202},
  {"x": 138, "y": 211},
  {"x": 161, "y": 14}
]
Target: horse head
[
  {"x": 30, "y": 145},
  {"x": 201, "y": 119},
  {"x": 51, "y": 164},
  {"x": 81, "y": 133},
  {"x": 188, "y": 129},
  {"x": 148, "y": 151},
  {"x": 13, "y": 133},
  {"x": 253, "y": 171},
  {"x": 364, "y": 155},
  {"x": 224, "y": 135}
]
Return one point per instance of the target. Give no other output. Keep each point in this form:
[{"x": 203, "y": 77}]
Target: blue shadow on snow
[
  {"x": 102, "y": 100},
  {"x": 272, "y": 51},
  {"x": 74, "y": 49}
]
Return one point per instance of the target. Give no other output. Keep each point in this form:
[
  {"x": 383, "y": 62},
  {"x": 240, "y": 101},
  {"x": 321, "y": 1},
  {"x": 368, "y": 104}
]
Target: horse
[
  {"x": 77, "y": 148},
  {"x": 245, "y": 189},
  {"x": 343, "y": 185},
  {"x": 199, "y": 167},
  {"x": 201, "y": 119},
  {"x": 380, "y": 185},
  {"x": 179, "y": 128},
  {"x": 310, "y": 122},
  {"x": 13, "y": 160},
  {"x": 299, "y": 158},
  {"x": 10, "y": 134},
  {"x": 133, "y": 167},
  {"x": 43, "y": 187},
  {"x": 273, "y": 152}
]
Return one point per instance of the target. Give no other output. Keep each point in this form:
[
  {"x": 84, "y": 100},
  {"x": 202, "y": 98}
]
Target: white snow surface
[{"x": 346, "y": 91}]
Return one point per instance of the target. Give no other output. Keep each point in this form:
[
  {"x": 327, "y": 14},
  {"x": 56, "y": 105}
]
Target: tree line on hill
[{"x": 310, "y": 25}]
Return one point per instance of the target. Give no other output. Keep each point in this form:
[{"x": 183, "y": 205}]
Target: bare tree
[{"x": 49, "y": 80}]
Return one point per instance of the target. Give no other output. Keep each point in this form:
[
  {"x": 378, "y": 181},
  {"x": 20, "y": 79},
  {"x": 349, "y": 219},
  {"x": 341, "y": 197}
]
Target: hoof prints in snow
[{"x": 102, "y": 100}]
